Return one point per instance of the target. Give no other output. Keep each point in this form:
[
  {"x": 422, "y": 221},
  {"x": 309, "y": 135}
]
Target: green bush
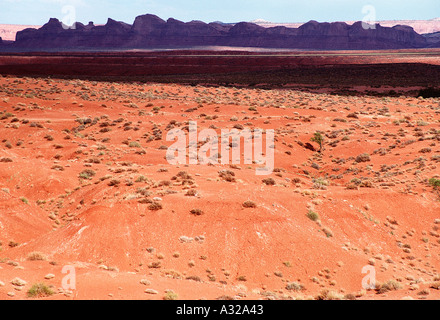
[
  {"x": 87, "y": 174},
  {"x": 312, "y": 215},
  {"x": 40, "y": 290},
  {"x": 319, "y": 139},
  {"x": 434, "y": 182}
]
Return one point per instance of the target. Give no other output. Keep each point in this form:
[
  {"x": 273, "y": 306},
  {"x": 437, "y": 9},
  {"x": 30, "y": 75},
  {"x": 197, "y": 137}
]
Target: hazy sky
[{"x": 39, "y": 11}]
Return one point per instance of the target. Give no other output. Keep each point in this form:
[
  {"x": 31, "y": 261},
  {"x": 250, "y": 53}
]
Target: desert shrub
[
  {"x": 249, "y": 204},
  {"x": 145, "y": 201},
  {"x": 194, "y": 278},
  {"x": 155, "y": 206},
  {"x": 141, "y": 179},
  {"x": 170, "y": 295},
  {"x": 39, "y": 290},
  {"x": 390, "y": 285},
  {"x": 227, "y": 175},
  {"x": 364, "y": 157},
  {"x": 13, "y": 244},
  {"x": 191, "y": 193},
  {"x": 155, "y": 265},
  {"x": 434, "y": 182},
  {"x": 196, "y": 212},
  {"x": 87, "y": 174},
  {"x": 320, "y": 184},
  {"x": 312, "y": 215},
  {"x": 134, "y": 144},
  {"x": 183, "y": 175},
  {"x": 165, "y": 183},
  {"x": 319, "y": 139},
  {"x": 329, "y": 295},
  {"x": 294, "y": 286},
  {"x": 296, "y": 180},
  {"x": 36, "y": 256},
  {"x": 114, "y": 183},
  {"x": 225, "y": 297},
  {"x": 327, "y": 232},
  {"x": 143, "y": 191},
  {"x": 269, "y": 181}
]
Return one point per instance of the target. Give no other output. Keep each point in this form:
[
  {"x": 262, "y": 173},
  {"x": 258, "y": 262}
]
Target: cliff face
[
  {"x": 149, "y": 31},
  {"x": 433, "y": 39}
]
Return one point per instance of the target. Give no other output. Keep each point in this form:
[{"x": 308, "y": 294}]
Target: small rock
[
  {"x": 68, "y": 293},
  {"x": 49, "y": 276},
  {"x": 18, "y": 282},
  {"x": 145, "y": 282},
  {"x": 151, "y": 291}
]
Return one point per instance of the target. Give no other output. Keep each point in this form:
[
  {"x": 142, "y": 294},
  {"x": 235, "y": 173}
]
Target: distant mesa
[{"x": 150, "y": 31}]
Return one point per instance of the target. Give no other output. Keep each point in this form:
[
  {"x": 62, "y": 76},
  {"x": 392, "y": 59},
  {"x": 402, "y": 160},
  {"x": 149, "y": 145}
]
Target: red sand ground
[{"x": 381, "y": 212}]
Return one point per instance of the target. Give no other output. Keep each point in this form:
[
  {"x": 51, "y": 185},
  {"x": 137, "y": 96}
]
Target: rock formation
[{"x": 150, "y": 31}]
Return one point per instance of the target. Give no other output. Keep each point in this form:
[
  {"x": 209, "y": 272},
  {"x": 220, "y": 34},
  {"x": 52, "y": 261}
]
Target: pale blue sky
[{"x": 39, "y": 11}]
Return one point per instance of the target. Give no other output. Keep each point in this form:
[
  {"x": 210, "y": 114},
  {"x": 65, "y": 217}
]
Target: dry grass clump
[
  {"x": 390, "y": 285},
  {"x": 36, "y": 256},
  {"x": 327, "y": 294},
  {"x": 294, "y": 286},
  {"x": 171, "y": 295},
  {"x": 227, "y": 175},
  {"x": 191, "y": 193},
  {"x": 320, "y": 184}
]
